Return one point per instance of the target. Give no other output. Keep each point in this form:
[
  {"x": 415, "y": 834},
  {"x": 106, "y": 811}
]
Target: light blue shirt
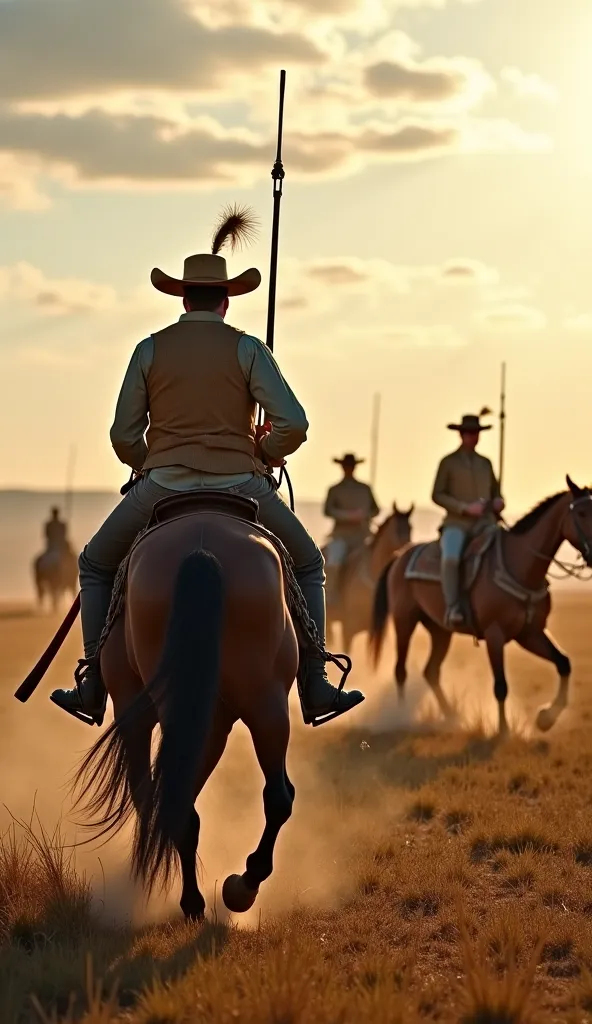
[{"x": 266, "y": 385}]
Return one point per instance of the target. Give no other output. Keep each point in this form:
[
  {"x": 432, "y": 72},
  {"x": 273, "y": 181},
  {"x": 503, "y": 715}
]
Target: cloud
[
  {"x": 98, "y": 148},
  {"x": 27, "y": 285},
  {"x": 130, "y": 93},
  {"x": 431, "y": 81},
  {"x": 351, "y": 271},
  {"x": 580, "y": 324},
  {"x": 18, "y": 183},
  {"x": 512, "y": 318},
  {"x": 529, "y": 86},
  {"x": 63, "y": 48},
  {"x": 465, "y": 271},
  {"x": 388, "y": 292}
]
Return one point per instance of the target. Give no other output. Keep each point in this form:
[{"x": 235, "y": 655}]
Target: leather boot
[
  {"x": 319, "y": 699},
  {"x": 450, "y": 588},
  {"x": 87, "y": 701}
]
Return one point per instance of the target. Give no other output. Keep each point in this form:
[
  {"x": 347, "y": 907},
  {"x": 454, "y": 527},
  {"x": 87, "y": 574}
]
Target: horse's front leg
[
  {"x": 495, "y": 640},
  {"x": 270, "y": 731},
  {"x": 537, "y": 641}
]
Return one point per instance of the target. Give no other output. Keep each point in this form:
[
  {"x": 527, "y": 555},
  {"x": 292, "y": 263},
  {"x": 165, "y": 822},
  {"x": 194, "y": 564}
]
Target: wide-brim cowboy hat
[
  {"x": 349, "y": 459},
  {"x": 209, "y": 271},
  {"x": 470, "y": 424}
]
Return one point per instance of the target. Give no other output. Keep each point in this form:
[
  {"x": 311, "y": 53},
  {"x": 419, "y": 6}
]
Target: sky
[{"x": 436, "y": 220}]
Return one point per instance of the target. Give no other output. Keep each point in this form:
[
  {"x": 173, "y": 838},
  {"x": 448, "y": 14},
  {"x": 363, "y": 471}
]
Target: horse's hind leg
[
  {"x": 405, "y": 622},
  {"x": 441, "y": 639},
  {"x": 538, "y": 642},
  {"x": 495, "y": 640},
  {"x": 192, "y": 902},
  {"x": 270, "y": 732}
]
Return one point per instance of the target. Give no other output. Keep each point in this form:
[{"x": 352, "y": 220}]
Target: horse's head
[
  {"x": 401, "y": 525},
  {"x": 577, "y": 525}
]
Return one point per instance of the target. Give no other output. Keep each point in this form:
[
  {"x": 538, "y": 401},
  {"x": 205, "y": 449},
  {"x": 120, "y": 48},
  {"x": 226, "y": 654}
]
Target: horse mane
[
  {"x": 382, "y": 526},
  {"x": 531, "y": 518}
]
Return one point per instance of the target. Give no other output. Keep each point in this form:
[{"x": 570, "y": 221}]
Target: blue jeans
[{"x": 452, "y": 542}]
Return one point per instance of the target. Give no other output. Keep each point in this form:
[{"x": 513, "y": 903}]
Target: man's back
[
  {"x": 56, "y": 534},
  {"x": 202, "y": 414}
]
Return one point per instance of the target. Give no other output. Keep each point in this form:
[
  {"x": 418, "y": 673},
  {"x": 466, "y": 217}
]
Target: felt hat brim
[
  {"x": 464, "y": 429},
  {"x": 246, "y": 282},
  {"x": 349, "y": 462}
]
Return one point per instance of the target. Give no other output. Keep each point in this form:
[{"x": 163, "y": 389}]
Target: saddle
[
  {"x": 425, "y": 564},
  {"x": 186, "y": 503}
]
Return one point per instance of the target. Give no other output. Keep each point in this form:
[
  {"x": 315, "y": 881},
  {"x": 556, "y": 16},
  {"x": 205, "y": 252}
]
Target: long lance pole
[
  {"x": 374, "y": 434},
  {"x": 502, "y": 421},
  {"x": 69, "y": 493},
  {"x": 278, "y": 174}
]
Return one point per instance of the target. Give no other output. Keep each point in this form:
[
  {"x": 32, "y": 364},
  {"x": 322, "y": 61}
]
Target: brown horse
[
  {"x": 509, "y": 600},
  {"x": 229, "y": 652},
  {"x": 361, "y": 573},
  {"x": 55, "y": 573}
]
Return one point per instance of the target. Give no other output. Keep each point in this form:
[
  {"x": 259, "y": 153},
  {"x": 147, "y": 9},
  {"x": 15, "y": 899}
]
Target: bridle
[{"x": 573, "y": 569}]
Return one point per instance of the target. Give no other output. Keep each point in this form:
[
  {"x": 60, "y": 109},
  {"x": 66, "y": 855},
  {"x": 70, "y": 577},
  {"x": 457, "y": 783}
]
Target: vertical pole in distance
[
  {"x": 374, "y": 439},
  {"x": 502, "y": 419}
]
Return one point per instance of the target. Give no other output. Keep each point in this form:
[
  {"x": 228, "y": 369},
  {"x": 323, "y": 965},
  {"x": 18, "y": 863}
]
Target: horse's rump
[{"x": 252, "y": 578}]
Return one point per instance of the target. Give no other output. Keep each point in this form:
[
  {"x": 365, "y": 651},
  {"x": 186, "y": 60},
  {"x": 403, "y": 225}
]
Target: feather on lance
[{"x": 237, "y": 226}]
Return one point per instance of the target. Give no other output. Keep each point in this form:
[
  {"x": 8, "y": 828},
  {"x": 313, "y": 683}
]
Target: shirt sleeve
[
  {"x": 374, "y": 509},
  {"x": 441, "y": 494},
  {"x": 332, "y": 508},
  {"x": 131, "y": 412},
  {"x": 495, "y": 487},
  {"x": 271, "y": 391}
]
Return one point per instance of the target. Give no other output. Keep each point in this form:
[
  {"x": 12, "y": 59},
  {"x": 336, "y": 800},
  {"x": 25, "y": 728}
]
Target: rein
[{"x": 575, "y": 570}]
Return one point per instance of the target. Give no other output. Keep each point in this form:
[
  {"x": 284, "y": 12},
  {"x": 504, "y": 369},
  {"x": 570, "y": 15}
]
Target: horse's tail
[
  {"x": 184, "y": 689},
  {"x": 379, "y": 615},
  {"x": 187, "y": 681}
]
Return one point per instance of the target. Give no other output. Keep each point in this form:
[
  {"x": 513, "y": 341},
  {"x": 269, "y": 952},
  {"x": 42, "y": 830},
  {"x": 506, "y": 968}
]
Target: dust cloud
[{"x": 316, "y": 850}]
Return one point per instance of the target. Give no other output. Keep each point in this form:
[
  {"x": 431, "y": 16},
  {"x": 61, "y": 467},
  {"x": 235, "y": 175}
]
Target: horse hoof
[
  {"x": 194, "y": 910},
  {"x": 545, "y": 719},
  {"x": 195, "y": 915},
  {"x": 237, "y": 896}
]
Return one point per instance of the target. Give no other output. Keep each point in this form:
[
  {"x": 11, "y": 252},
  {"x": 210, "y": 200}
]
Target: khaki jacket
[
  {"x": 462, "y": 478},
  {"x": 345, "y": 497}
]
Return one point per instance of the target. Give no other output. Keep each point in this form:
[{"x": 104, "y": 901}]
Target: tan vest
[{"x": 202, "y": 414}]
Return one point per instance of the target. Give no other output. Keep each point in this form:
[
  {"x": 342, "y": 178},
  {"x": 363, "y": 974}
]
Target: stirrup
[
  {"x": 344, "y": 663},
  {"x": 457, "y": 622},
  {"x": 80, "y": 715},
  {"x": 329, "y": 715},
  {"x": 80, "y": 673}
]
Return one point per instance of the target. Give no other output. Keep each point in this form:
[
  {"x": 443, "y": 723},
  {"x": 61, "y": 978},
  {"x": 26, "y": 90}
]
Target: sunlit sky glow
[{"x": 436, "y": 220}]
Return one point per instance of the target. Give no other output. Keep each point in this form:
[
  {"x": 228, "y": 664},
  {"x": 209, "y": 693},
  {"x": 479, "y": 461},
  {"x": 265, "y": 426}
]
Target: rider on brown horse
[
  {"x": 352, "y": 506},
  {"x": 56, "y": 532},
  {"x": 195, "y": 386},
  {"x": 466, "y": 486}
]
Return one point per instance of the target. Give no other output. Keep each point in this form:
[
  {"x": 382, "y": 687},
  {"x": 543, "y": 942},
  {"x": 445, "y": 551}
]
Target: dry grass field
[{"x": 427, "y": 874}]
